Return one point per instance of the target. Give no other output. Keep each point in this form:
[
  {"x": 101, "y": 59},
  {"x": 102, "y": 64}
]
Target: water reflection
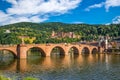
[
  {"x": 79, "y": 67},
  {"x": 6, "y": 59},
  {"x": 52, "y": 62}
]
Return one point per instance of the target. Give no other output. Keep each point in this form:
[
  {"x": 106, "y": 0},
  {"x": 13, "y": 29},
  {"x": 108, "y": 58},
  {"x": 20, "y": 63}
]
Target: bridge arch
[
  {"x": 39, "y": 50},
  {"x": 57, "y": 50},
  {"x": 85, "y": 50},
  {"x": 73, "y": 51},
  {"x": 94, "y": 51},
  {"x": 8, "y": 50}
]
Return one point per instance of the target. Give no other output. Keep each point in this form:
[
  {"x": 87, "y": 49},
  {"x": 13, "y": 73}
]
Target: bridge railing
[
  {"x": 11, "y": 45},
  {"x": 49, "y": 44}
]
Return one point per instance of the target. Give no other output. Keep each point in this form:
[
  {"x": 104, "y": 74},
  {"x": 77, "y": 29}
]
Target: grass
[
  {"x": 7, "y": 78},
  {"x": 4, "y": 78},
  {"x": 30, "y": 78}
]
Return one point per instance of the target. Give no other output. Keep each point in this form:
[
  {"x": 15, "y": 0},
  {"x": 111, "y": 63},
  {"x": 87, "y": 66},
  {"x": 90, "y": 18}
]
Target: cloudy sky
[{"x": 66, "y": 11}]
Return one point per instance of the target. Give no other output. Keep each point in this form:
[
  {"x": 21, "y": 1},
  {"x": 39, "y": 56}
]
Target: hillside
[{"x": 9, "y": 33}]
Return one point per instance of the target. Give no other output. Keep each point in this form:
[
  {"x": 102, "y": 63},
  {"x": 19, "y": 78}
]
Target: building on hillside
[
  {"x": 117, "y": 42},
  {"x": 64, "y": 35},
  {"x": 7, "y": 31}
]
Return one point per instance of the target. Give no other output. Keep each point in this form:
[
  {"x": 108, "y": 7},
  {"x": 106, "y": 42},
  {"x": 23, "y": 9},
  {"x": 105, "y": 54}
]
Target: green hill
[{"x": 42, "y": 31}]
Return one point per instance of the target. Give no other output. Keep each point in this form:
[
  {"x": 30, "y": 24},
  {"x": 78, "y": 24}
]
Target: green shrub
[{"x": 4, "y": 78}]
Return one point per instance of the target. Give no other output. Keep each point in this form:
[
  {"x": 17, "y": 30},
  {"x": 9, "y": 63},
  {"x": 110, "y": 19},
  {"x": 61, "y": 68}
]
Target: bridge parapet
[{"x": 8, "y": 45}]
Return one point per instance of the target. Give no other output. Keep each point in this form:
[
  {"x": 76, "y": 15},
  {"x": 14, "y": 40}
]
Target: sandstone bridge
[{"x": 20, "y": 51}]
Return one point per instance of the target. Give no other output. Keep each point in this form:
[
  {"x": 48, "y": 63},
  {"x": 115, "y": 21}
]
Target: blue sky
[{"x": 66, "y": 11}]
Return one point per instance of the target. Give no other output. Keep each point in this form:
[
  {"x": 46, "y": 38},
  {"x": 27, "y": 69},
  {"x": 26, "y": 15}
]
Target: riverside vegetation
[
  {"x": 27, "y": 78},
  {"x": 9, "y": 34}
]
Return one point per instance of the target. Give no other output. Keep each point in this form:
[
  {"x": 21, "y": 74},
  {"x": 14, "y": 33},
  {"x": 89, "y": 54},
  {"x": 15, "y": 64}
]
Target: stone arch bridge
[{"x": 20, "y": 51}]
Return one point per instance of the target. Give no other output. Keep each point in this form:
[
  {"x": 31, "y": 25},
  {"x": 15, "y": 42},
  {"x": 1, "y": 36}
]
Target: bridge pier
[
  {"x": 100, "y": 49},
  {"x": 22, "y": 53}
]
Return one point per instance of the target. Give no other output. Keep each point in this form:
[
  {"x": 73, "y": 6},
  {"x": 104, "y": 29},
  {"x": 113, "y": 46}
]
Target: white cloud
[
  {"x": 9, "y": 19},
  {"x": 107, "y": 4},
  {"x": 116, "y": 20},
  {"x": 36, "y": 10},
  {"x": 11, "y": 1},
  {"x": 111, "y": 3},
  {"x": 2, "y": 15},
  {"x": 41, "y": 6},
  {"x": 4, "y": 18},
  {"x": 94, "y": 6}
]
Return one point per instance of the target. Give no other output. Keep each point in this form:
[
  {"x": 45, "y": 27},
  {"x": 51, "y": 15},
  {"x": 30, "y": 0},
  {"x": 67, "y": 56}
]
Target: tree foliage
[{"x": 42, "y": 32}]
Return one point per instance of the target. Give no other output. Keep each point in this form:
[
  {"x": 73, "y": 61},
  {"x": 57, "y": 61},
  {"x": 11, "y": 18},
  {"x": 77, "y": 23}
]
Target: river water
[{"x": 82, "y": 67}]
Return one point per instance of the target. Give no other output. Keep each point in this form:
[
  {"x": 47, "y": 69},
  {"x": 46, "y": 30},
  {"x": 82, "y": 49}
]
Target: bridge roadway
[{"x": 20, "y": 51}]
